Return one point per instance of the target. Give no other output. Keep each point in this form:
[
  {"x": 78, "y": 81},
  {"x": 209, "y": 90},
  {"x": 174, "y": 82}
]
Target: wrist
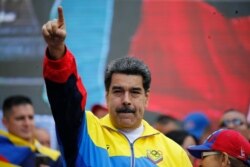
[{"x": 56, "y": 53}]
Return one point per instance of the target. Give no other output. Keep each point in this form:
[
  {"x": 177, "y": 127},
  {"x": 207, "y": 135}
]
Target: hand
[{"x": 54, "y": 34}]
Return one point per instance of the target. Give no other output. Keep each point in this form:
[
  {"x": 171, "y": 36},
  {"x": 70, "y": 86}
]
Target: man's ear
[
  {"x": 147, "y": 98},
  {"x": 225, "y": 160},
  {"x": 106, "y": 97},
  {"x": 5, "y": 122}
]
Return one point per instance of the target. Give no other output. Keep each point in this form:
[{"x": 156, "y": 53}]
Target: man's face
[
  {"x": 234, "y": 120},
  {"x": 20, "y": 121},
  {"x": 126, "y": 101},
  {"x": 211, "y": 160},
  {"x": 237, "y": 121}
]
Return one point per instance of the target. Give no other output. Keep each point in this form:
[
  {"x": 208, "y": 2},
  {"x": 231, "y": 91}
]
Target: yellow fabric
[
  {"x": 5, "y": 164},
  {"x": 53, "y": 154},
  {"x": 17, "y": 141},
  {"x": 152, "y": 144}
]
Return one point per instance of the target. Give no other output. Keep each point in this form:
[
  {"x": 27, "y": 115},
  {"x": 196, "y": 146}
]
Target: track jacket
[
  {"x": 86, "y": 141},
  {"x": 15, "y": 151}
]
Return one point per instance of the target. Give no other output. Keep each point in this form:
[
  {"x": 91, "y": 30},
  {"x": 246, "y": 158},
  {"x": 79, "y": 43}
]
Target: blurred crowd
[{"x": 196, "y": 127}]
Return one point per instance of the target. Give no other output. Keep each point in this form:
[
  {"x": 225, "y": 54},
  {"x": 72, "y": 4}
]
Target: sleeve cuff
[{"x": 59, "y": 70}]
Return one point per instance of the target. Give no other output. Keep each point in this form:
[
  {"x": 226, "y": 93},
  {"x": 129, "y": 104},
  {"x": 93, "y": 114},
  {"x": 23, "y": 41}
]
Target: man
[
  {"x": 121, "y": 138},
  {"x": 18, "y": 146},
  {"x": 236, "y": 120},
  {"x": 223, "y": 148},
  {"x": 166, "y": 123}
]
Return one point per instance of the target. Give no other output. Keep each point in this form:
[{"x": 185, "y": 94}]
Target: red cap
[
  {"x": 98, "y": 106},
  {"x": 224, "y": 140}
]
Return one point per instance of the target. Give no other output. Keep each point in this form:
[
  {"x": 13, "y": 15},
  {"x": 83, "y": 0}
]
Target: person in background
[
  {"x": 234, "y": 119},
  {"x": 166, "y": 123},
  {"x": 43, "y": 136},
  {"x": 198, "y": 125},
  {"x": 18, "y": 146},
  {"x": 223, "y": 148},
  {"x": 122, "y": 138},
  {"x": 184, "y": 139},
  {"x": 99, "y": 110}
]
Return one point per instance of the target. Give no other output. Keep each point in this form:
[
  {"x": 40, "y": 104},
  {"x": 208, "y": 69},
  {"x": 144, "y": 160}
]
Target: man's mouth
[{"x": 125, "y": 110}]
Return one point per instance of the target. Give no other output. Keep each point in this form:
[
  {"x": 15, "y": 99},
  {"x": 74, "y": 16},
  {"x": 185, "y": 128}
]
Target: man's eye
[
  {"x": 117, "y": 92},
  {"x": 19, "y": 118},
  {"x": 135, "y": 93}
]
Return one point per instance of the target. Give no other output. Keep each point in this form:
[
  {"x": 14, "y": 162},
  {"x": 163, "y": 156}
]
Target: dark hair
[
  {"x": 165, "y": 119},
  {"x": 232, "y": 110},
  {"x": 15, "y": 100},
  {"x": 179, "y": 136},
  {"x": 129, "y": 66},
  {"x": 234, "y": 162}
]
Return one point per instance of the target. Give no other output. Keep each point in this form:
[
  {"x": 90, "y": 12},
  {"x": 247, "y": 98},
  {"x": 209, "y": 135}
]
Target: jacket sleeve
[{"x": 67, "y": 98}]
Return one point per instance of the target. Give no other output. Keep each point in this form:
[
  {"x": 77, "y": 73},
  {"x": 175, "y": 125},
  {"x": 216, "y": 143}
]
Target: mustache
[{"x": 125, "y": 110}]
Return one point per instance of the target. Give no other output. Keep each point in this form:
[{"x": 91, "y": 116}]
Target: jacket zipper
[
  {"x": 132, "y": 154},
  {"x": 132, "y": 162},
  {"x": 132, "y": 149},
  {"x": 131, "y": 145}
]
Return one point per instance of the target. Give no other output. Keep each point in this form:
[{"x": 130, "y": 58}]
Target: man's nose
[
  {"x": 28, "y": 121},
  {"x": 126, "y": 99},
  {"x": 230, "y": 125}
]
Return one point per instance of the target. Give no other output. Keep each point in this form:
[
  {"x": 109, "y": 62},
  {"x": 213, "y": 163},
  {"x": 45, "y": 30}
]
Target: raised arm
[{"x": 66, "y": 93}]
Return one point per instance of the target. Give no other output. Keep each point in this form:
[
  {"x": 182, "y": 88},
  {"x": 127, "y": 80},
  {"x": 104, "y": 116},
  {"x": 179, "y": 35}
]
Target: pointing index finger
[{"x": 60, "y": 20}]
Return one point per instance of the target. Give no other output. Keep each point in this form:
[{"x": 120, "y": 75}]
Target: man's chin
[
  {"x": 26, "y": 137},
  {"x": 126, "y": 124}
]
